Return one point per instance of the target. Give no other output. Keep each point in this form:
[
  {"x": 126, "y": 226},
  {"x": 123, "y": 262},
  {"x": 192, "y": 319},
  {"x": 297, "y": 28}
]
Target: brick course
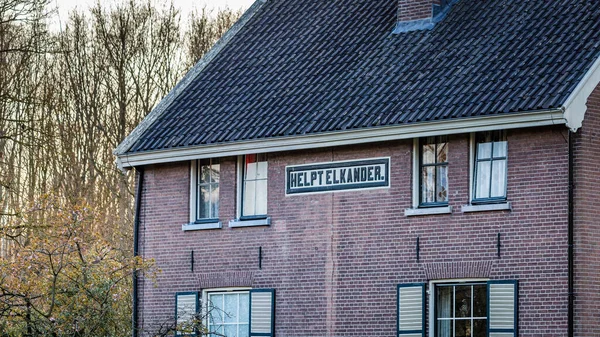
[{"x": 335, "y": 258}]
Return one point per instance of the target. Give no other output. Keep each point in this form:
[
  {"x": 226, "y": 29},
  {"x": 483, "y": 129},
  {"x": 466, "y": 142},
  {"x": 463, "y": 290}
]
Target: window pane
[
  {"x": 480, "y": 300},
  {"x": 230, "y": 309},
  {"x": 442, "y": 152},
  {"x": 444, "y": 328},
  {"x": 462, "y": 328},
  {"x": 244, "y": 308},
  {"x": 428, "y": 154},
  {"x": 442, "y": 183},
  {"x": 231, "y": 330},
  {"x": 261, "y": 197},
  {"x": 261, "y": 170},
  {"x": 484, "y": 150},
  {"x": 215, "y": 202},
  {"x": 250, "y": 172},
  {"x": 428, "y": 184},
  {"x": 479, "y": 328},
  {"x": 500, "y": 149},
  {"x": 215, "y": 171},
  {"x": 444, "y": 302},
  {"x": 215, "y": 308},
  {"x": 204, "y": 202},
  {"x": 205, "y": 174},
  {"x": 498, "y": 178},
  {"x": 482, "y": 180},
  {"x": 249, "y": 199},
  {"x": 462, "y": 303},
  {"x": 244, "y": 329}
]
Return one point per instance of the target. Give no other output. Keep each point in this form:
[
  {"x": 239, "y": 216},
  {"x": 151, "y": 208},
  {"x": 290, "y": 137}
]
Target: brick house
[{"x": 378, "y": 167}]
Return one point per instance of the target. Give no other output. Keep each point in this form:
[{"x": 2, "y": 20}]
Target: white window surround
[
  {"x": 497, "y": 206},
  {"x": 192, "y": 225},
  {"x": 239, "y": 221},
  {"x": 206, "y": 292},
  {"x": 431, "y": 295},
  {"x": 416, "y": 188}
]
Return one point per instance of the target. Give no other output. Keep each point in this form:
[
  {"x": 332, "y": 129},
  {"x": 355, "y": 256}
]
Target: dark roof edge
[
  {"x": 349, "y": 137},
  {"x": 160, "y": 108}
]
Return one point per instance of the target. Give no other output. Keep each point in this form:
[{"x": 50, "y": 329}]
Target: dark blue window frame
[{"x": 495, "y": 137}]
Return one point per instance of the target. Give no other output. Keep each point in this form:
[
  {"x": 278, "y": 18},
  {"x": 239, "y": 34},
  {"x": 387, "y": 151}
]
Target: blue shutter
[
  {"x": 262, "y": 312},
  {"x": 411, "y": 310},
  {"x": 503, "y": 308},
  {"x": 186, "y": 308}
]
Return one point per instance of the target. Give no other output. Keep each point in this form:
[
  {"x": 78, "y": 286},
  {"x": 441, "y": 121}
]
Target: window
[
  {"x": 240, "y": 312},
  {"x": 254, "y": 186},
  {"x": 489, "y": 181},
  {"x": 433, "y": 171},
  {"x": 461, "y": 310},
  {"x": 204, "y": 195},
  {"x": 228, "y": 314},
  {"x": 207, "y": 207}
]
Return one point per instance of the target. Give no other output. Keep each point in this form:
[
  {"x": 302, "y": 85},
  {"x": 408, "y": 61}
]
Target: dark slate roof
[{"x": 303, "y": 67}]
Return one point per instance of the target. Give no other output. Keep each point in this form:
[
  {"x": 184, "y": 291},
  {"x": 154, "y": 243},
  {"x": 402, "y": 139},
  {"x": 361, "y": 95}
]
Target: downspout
[
  {"x": 570, "y": 317},
  {"x": 136, "y": 244}
]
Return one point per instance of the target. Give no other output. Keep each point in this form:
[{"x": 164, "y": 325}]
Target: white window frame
[
  {"x": 498, "y": 206},
  {"x": 193, "y": 225},
  {"x": 260, "y": 220},
  {"x": 416, "y": 188},
  {"x": 206, "y": 292},
  {"x": 431, "y": 295}
]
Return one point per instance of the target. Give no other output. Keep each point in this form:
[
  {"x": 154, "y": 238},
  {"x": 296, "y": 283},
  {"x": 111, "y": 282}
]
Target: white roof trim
[
  {"x": 576, "y": 104},
  {"x": 339, "y": 138},
  {"x": 187, "y": 79}
]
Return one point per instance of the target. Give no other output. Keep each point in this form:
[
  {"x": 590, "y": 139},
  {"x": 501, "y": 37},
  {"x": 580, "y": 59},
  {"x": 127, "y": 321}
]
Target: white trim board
[
  {"x": 340, "y": 138},
  {"x": 576, "y": 103}
]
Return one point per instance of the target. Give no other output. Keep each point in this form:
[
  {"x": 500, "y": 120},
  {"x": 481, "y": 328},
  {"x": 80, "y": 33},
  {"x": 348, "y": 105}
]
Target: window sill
[
  {"x": 504, "y": 206},
  {"x": 200, "y": 226},
  {"x": 428, "y": 211},
  {"x": 251, "y": 222}
]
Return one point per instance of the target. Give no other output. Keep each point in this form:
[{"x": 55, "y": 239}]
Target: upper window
[
  {"x": 433, "y": 171},
  {"x": 489, "y": 181},
  {"x": 207, "y": 190},
  {"x": 461, "y": 310},
  {"x": 254, "y": 186}
]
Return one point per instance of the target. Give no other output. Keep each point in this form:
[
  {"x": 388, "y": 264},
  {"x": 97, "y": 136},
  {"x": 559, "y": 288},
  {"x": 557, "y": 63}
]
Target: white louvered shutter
[
  {"x": 411, "y": 310},
  {"x": 262, "y": 312},
  {"x": 186, "y": 306},
  {"x": 503, "y": 308}
]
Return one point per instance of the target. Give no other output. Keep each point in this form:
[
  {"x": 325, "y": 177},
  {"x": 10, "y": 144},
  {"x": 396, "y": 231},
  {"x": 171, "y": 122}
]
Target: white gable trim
[
  {"x": 181, "y": 86},
  {"x": 340, "y": 138},
  {"x": 576, "y": 104}
]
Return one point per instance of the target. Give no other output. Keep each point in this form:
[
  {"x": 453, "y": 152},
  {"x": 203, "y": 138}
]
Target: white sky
[{"x": 186, "y": 6}]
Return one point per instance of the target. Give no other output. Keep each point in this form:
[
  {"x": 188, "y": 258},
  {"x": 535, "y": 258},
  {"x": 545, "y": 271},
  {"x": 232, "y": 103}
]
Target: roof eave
[
  {"x": 350, "y": 137},
  {"x": 181, "y": 86},
  {"x": 576, "y": 103}
]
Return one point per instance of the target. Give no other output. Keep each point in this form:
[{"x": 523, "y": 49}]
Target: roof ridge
[{"x": 187, "y": 79}]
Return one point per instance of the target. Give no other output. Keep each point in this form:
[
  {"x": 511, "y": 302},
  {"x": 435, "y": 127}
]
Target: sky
[{"x": 186, "y": 6}]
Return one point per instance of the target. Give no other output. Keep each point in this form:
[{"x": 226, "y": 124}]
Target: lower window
[
  {"x": 461, "y": 310},
  {"x": 228, "y": 314}
]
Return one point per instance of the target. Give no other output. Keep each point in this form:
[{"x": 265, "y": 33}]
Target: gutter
[
  {"x": 570, "y": 239},
  {"x": 348, "y": 137},
  {"x": 136, "y": 244}
]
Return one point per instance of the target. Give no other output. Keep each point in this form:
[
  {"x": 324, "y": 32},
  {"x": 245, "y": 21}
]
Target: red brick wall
[
  {"x": 409, "y": 10},
  {"x": 587, "y": 221},
  {"x": 335, "y": 258}
]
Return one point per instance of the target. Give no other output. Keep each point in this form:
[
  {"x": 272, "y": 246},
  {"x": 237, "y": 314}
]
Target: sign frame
[{"x": 383, "y": 182}]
